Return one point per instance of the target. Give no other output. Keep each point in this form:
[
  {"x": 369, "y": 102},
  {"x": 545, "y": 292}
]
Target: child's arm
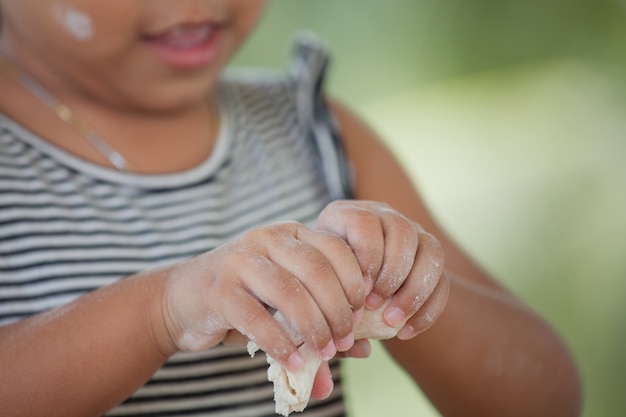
[
  {"x": 487, "y": 354},
  {"x": 87, "y": 356}
]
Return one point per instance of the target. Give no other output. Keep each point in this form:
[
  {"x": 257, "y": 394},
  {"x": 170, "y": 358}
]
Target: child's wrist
[{"x": 161, "y": 325}]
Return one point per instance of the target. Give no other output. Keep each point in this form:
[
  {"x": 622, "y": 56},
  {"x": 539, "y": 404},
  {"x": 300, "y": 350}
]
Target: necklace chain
[{"x": 64, "y": 113}]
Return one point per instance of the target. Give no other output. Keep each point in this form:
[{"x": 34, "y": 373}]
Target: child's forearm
[
  {"x": 85, "y": 357},
  {"x": 489, "y": 356}
]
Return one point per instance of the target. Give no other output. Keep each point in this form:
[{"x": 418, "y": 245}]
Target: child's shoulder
[
  {"x": 255, "y": 81},
  {"x": 301, "y": 79}
]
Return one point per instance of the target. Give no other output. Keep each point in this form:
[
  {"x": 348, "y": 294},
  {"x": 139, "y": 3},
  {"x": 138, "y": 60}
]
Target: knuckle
[
  {"x": 338, "y": 247},
  {"x": 435, "y": 305},
  {"x": 258, "y": 232},
  {"x": 337, "y": 205},
  {"x": 318, "y": 269},
  {"x": 331, "y": 239},
  {"x": 434, "y": 242},
  {"x": 364, "y": 217},
  {"x": 388, "y": 281},
  {"x": 253, "y": 316},
  {"x": 288, "y": 286},
  {"x": 356, "y": 294},
  {"x": 272, "y": 234},
  {"x": 435, "y": 250},
  {"x": 342, "y": 326},
  {"x": 235, "y": 263}
]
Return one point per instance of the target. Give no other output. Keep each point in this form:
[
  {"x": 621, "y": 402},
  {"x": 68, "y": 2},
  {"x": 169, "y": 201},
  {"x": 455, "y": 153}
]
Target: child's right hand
[{"x": 311, "y": 276}]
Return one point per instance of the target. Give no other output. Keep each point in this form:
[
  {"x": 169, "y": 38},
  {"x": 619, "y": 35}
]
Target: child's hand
[
  {"x": 311, "y": 276},
  {"x": 397, "y": 259}
]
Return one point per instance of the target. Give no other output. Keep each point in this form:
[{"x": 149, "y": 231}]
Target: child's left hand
[{"x": 398, "y": 259}]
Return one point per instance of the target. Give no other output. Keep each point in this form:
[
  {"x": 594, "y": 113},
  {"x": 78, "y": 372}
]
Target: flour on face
[{"x": 75, "y": 22}]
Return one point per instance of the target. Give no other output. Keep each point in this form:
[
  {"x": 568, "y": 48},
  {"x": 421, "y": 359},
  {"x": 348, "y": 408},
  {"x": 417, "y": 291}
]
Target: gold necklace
[{"x": 64, "y": 113}]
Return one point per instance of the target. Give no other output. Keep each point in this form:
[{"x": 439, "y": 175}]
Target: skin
[
  {"x": 75, "y": 22},
  {"x": 115, "y": 83},
  {"x": 383, "y": 245},
  {"x": 483, "y": 323}
]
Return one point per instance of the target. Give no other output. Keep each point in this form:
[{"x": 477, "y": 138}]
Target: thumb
[{"x": 323, "y": 383}]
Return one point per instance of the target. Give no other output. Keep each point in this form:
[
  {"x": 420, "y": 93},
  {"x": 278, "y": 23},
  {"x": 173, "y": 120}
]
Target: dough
[{"x": 292, "y": 390}]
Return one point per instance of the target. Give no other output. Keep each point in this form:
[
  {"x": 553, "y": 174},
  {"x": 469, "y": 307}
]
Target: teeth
[{"x": 182, "y": 37}]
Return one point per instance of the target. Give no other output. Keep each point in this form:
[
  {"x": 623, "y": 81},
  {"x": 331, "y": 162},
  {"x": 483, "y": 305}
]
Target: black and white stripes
[{"x": 68, "y": 227}]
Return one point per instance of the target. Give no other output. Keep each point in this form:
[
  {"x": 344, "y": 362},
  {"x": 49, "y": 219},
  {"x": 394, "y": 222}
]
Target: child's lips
[
  {"x": 186, "y": 46},
  {"x": 184, "y": 37}
]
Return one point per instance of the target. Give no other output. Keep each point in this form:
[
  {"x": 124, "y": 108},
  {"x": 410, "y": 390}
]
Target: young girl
[{"x": 151, "y": 207}]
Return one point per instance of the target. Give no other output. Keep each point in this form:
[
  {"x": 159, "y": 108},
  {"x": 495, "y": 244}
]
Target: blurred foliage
[
  {"x": 510, "y": 116},
  {"x": 525, "y": 168},
  {"x": 402, "y": 44}
]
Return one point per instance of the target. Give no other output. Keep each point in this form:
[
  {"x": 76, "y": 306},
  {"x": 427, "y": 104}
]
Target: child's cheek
[{"x": 77, "y": 24}]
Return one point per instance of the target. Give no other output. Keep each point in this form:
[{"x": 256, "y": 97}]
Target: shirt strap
[{"x": 308, "y": 68}]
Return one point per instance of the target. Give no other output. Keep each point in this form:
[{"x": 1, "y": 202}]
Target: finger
[
  {"x": 252, "y": 319},
  {"x": 346, "y": 268},
  {"x": 323, "y": 383},
  {"x": 281, "y": 290},
  {"x": 400, "y": 249},
  {"x": 331, "y": 315},
  {"x": 429, "y": 313},
  {"x": 427, "y": 270},
  {"x": 344, "y": 264},
  {"x": 361, "y": 349},
  {"x": 362, "y": 230},
  {"x": 260, "y": 259}
]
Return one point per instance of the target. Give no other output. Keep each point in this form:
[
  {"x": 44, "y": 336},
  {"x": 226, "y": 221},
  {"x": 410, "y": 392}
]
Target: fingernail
[
  {"x": 329, "y": 351},
  {"x": 374, "y": 301},
  {"x": 295, "y": 361},
  {"x": 394, "y": 316},
  {"x": 345, "y": 343},
  {"x": 407, "y": 332},
  {"x": 365, "y": 347},
  {"x": 327, "y": 393}
]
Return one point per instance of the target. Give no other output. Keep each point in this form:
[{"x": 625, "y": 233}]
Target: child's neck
[
  {"x": 150, "y": 143},
  {"x": 159, "y": 143}
]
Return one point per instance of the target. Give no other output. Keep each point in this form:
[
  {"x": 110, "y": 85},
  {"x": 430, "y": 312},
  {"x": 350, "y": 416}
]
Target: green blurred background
[{"x": 510, "y": 115}]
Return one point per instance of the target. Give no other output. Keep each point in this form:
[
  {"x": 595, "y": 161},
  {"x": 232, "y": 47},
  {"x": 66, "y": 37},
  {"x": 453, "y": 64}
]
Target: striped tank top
[{"x": 68, "y": 227}]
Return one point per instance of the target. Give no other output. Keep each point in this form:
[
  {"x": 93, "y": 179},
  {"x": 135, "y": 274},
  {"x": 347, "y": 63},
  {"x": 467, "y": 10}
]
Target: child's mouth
[{"x": 186, "y": 46}]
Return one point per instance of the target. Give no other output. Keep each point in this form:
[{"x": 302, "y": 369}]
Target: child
[{"x": 151, "y": 207}]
